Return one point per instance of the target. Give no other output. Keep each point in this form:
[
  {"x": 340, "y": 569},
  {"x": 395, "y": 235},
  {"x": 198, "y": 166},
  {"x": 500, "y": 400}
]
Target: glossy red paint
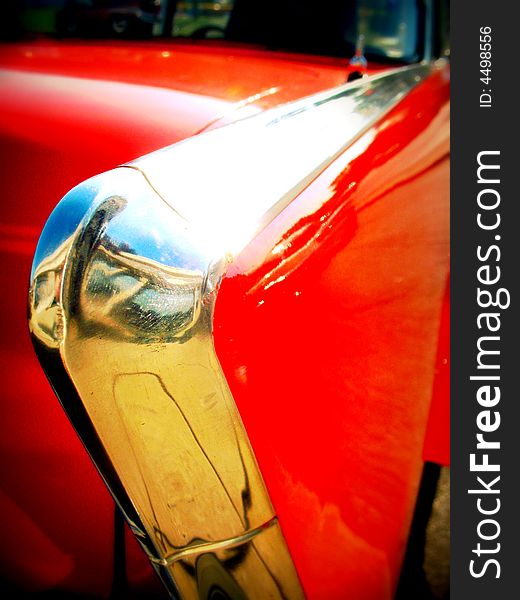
[
  {"x": 327, "y": 327},
  {"x": 230, "y": 73}
]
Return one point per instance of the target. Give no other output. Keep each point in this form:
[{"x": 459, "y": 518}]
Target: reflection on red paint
[{"x": 327, "y": 329}]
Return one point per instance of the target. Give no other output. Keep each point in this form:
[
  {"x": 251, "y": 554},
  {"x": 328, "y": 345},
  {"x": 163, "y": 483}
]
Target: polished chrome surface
[
  {"x": 121, "y": 301},
  {"x": 229, "y": 182}
]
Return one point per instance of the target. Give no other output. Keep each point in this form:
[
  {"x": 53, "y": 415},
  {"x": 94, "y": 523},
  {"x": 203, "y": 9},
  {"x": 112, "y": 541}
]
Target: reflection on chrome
[{"x": 121, "y": 301}]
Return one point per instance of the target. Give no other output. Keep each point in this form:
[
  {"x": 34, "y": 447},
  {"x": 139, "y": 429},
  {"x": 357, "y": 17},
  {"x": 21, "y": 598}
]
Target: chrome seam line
[
  {"x": 123, "y": 288},
  {"x": 213, "y": 546}
]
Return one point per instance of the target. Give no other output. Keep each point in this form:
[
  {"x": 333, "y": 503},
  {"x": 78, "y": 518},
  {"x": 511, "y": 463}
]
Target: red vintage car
[{"x": 246, "y": 323}]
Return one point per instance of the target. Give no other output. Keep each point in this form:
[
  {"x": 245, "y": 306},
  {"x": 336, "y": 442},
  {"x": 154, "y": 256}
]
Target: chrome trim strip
[
  {"x": 121, "y": 301},
  {"x": 271, "y": 157}
]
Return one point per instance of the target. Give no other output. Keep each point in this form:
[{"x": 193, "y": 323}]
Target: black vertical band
[{"x": 485, "y": 255}]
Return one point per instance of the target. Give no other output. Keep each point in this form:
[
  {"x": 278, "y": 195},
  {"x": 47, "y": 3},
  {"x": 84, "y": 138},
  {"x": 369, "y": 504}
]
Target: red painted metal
[
  {"x": 327, "y": 329},
  {"x": 230, "y": 73},
  {"x": 324, "y": 363}
]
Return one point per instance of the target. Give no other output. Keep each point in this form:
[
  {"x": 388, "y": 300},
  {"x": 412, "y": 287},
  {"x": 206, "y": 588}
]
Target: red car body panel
[
  {"x": 219, "y": 71},
  {"x": 327, "y": 329},
  {"x": 330, "y": 340}
]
